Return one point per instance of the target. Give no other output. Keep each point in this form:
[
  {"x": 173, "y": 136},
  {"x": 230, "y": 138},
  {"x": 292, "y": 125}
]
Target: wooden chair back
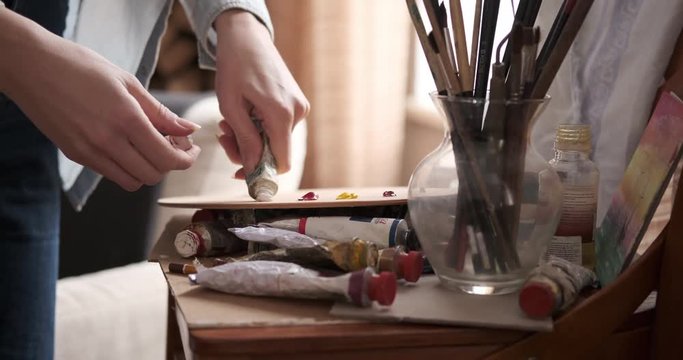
[{"x": 591, "y": 328}]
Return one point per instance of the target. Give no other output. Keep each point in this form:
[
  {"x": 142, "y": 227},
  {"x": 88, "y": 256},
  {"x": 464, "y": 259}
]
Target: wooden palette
[{"x": 370, "y": 196}]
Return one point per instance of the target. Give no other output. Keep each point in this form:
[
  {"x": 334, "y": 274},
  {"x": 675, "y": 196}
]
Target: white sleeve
[{"x": 202, "y": 14}]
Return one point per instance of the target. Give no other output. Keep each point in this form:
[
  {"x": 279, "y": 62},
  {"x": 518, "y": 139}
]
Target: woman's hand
[
  {"x": 96, "y": 113},
  {"x": 252, "y": 79}
]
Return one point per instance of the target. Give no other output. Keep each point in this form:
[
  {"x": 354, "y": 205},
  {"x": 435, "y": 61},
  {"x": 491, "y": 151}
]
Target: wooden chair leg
[{"x": 668, "y": 331}]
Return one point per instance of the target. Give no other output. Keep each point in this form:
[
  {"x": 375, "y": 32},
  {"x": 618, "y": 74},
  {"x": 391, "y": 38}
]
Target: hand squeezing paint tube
[
  {"x": 384, "y": 232},
  {"x": 262, "y": 181},
  {"x": 272, "y": 278},
  {"x": 553, "y": 287},
  {"x": 344, "y": 255}
]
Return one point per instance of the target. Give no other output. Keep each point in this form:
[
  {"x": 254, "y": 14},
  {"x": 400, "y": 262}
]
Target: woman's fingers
[
  {"x": 229, "y": 143},
  {"x": 154, "y": 147},
  {"x": 246, "y": 135},
  {"x": 110, "y": 169},
  {"x": 278, "y": 123},
  {"x": 163, "y": 119}
]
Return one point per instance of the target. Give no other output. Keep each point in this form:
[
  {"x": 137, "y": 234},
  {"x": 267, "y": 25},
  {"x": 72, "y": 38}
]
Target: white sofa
[{"x": 120, "y": 313}]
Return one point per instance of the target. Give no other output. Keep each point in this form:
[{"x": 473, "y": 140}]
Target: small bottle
[{"x": 573, "y": 239}]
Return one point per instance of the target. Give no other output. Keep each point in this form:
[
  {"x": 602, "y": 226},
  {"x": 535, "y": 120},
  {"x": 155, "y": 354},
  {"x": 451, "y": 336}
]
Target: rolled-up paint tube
[
  {"x": 553, "y": 287},
  {"x": 262, "y": 181}
]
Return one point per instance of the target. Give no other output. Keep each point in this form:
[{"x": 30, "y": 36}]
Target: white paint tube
[
  {"x": 383, "y": 232},
  {"x": 282, "y": 279},
  {"x": 282, "y": 238}
]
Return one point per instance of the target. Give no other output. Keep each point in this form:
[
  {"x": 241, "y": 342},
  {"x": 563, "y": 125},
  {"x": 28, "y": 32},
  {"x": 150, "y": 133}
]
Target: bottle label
[
  {"x": 566, "y": 247},
  {"x": 579, "y": 205}
]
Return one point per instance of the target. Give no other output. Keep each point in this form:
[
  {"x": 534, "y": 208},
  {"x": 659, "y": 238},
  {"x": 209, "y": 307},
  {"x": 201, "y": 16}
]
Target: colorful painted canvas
[{"x": 641, "y": 188}]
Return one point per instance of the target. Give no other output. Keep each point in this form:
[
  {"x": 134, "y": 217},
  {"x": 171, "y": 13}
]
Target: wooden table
[
  {"x": 203, "y": 324},
  {"x": 377, "y": 341},
  {"x": 360, "y": 340},
  {"x": 209, "y": 325}
]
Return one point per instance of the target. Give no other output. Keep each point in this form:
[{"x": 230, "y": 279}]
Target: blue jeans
[{"x": 29, "y": 237}]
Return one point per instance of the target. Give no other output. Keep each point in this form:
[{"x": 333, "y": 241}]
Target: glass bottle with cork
[{"x": 573, "y": 239}]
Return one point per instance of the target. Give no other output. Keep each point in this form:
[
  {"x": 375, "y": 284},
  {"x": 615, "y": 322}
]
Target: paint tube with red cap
[
  {"x": 383, "y": 232},
  {"x": 281, "y": 279}
]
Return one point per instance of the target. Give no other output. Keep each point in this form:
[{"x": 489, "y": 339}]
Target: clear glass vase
[{"x": 485, "y": 204}]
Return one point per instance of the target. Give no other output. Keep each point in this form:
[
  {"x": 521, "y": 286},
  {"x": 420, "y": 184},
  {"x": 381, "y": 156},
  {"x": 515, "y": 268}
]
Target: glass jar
[{"x": 484, "y": 204}]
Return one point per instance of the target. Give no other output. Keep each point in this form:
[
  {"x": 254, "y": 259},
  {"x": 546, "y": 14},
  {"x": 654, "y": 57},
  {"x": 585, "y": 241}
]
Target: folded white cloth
[{"x": 118, "y": 313}]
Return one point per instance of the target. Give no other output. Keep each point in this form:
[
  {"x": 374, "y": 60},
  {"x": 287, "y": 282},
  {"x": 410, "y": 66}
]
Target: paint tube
[
  {"x": 178, "y": 268},
  {"x": 207, "y": 239},
  {"x": 262, "y": 182},
  {"x": 553, "y": 287},
  {"x": 281, "y": 238},
  {"x": 406, "y": 265},
  {"x": 344, "y": 255},
  {"x": 281, "y": 279},
  {"x": 384, "y": 232}
]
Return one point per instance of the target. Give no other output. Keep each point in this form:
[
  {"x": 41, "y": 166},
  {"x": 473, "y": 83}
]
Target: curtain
[{"x": 351, "y": 59}]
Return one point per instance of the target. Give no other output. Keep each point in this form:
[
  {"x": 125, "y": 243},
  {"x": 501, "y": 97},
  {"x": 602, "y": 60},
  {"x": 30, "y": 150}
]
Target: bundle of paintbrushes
[{"x": 489, "y": 106}]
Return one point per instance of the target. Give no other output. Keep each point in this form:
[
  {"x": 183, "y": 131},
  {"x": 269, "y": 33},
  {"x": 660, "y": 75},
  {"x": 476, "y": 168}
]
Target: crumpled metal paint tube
[
  {"x": 262, "y": 182},
  {"x": 272, "y": 278}
]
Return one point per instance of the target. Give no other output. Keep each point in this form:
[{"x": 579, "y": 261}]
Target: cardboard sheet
[
  {"x": 423, "y": 302},
  {"x": 204, "y": 308},
  {"x": 429, "y": 302}
]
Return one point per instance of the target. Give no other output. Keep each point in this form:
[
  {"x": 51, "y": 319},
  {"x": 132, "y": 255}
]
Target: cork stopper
[{"x": 573, "y": 137}]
